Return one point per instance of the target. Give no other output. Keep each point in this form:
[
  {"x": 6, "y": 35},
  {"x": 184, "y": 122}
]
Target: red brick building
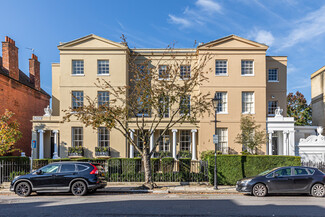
[{"x": 20, "y": 93}]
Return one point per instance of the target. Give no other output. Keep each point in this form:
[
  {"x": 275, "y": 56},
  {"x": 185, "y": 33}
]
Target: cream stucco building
[{"x": 248, "y": 81}]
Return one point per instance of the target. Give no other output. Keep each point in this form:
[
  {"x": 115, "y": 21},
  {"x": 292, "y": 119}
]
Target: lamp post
[{"x": 215, "y": 102}]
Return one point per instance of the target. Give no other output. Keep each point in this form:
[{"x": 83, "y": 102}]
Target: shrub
[
  {"x": 184, "y": 154},
  {"x": 17, "y": 173},
  {"x": 167, "y": 164},
  {"x": 231, "y": 168},
  {"x": 185, "y": 165},
  {"x": 206, "y": 154},
  {"x": 155, "y": 163}
]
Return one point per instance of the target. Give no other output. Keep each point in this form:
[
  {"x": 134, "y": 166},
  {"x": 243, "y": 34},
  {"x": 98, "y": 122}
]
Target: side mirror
[
  {"x": 39, "y": 172},
  {"x": 275, "y": 175}
]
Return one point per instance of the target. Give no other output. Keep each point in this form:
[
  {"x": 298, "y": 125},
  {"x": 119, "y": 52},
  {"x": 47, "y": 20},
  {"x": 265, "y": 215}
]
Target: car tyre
[
  {"x": 79, "y": 188},
  {"x": 259, "y": 190},
  {"x": 318, "y": 190},
  {"x": 23, "y": 189}
]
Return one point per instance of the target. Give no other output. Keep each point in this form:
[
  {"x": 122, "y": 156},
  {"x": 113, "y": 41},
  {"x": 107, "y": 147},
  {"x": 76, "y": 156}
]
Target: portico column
[
  {"x": 285, "y": 143},
  {"x": 131, "y": 146},
  {"x": 270, "y": 142},
  {"x": 41, "y": 144},
  {"x": 151, "y": 140},
  {"x": 293, "y": 150},
  {"x": 56, "y": 150},
  {"x": 194, "y": 144},
  {"x": 174, "y": 143}
]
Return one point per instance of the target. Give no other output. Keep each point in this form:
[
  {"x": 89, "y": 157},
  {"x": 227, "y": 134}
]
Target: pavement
[{"x": 162, "y": 188}]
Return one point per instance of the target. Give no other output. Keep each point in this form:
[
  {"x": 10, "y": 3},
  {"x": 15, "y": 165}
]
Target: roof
[
  {"x": 232, "y": 37},
  {"x": 317, "y": 72},
  {"x": 23, "y": 79}
]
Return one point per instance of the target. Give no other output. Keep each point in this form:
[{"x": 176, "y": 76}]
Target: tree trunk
[{"x": 147, "y": 170}]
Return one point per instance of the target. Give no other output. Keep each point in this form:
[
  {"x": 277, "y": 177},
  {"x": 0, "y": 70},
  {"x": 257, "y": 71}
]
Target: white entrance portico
[{"x": 281, "y": 134}]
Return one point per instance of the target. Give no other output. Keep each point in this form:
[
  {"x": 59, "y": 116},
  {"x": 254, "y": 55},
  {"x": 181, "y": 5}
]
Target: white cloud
[
  {"x": 179, "y": 20},
  {"x": 308, "y": 28},
  {"x": 291, "y": 69},
  {"x": 209, "y": 6},
  {"x": 265, "y": 37}
]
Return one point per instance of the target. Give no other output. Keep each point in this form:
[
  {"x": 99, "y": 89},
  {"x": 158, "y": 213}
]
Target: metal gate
[{"x": 10, "y": 169}]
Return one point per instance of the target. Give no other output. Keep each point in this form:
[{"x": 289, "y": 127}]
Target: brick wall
[{"x": 25, "y": 102}]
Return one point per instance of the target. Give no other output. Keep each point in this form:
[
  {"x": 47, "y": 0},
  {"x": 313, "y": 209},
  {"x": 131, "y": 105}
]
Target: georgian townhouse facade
[{"x": 248, "y": 81}]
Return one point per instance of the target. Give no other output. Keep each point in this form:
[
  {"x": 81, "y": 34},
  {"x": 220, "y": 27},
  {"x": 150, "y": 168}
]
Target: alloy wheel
[
  {"x": 23, "y": 189},
  {"x": 259, "y": 190},
  {"x": 79, "y": 188},
  {"x": 318, "y": 190}
]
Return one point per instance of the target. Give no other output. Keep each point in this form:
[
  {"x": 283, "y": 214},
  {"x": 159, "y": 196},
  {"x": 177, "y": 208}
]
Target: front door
[
  {"x": 274, "y": 145},
  {"x": 281, "y": 182}
]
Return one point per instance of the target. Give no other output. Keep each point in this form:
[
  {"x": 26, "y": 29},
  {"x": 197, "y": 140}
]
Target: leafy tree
[
  {"x": 156, "y": 98},
  {"x": 251, "y": 137},
  {"x": 299, "y": 109},
  {"x": 9, "y": 133}
]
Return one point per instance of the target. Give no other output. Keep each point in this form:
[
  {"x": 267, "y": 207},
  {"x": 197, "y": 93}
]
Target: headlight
[
  {"x": 244, "y": 182},
  {"x": 16, "y": 177}
]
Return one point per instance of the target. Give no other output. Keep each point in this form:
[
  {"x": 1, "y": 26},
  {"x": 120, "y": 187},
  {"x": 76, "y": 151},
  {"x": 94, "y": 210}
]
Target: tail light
[{"x": 95, "y": 170}]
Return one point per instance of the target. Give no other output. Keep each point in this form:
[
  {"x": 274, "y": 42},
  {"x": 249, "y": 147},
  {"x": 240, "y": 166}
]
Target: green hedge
[
  {"x": 167, "y": 164},
  {"x": 231, "y": 168},
  {"x": 14, "y": 159}
]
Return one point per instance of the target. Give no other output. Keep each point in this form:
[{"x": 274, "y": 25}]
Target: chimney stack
[
  {"x": 34, "y": 72},
  {"x": 10, "y": 57}
]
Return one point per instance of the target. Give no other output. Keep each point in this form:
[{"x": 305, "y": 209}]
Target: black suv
[{"x": 76, "y": 177}]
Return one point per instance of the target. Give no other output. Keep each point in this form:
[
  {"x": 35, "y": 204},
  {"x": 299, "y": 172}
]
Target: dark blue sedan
[{"x": 285, "y": 180}]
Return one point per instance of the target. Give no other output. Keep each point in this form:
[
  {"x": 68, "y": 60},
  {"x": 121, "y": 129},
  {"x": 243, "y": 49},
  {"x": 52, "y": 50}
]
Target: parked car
[
  {"x": 76, "y": 177},
  {"x": 285, "y": 180}
]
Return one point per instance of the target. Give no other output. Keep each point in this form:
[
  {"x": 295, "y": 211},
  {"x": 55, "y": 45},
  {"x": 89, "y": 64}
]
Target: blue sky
[{"x": 291, "y": 28}]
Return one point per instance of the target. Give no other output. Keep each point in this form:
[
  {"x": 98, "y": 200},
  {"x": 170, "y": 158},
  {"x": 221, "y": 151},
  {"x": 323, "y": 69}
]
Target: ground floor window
[
  {"x": 103, "y": 137},
  {"x": 185, "y": 140},
  {"x": 164, "y": 143},
  {"x": 223, "y": 140},
  {"x": 77, "y": 136}
]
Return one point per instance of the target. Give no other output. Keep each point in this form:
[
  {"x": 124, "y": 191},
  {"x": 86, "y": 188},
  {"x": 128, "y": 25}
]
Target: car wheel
[
  {"x": 259, "y": 190},
  {"x": 318, "y": 190},
  {"x": 79, "y": 188},
  {"x": 23, "y": 189}
]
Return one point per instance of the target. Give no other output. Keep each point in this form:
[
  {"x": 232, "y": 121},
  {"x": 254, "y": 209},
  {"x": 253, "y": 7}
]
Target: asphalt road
[{"x": 160, "y": 205}]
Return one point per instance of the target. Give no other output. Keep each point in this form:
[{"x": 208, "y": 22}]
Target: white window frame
[
  {"x": 165, "y": 103},
  {"x": 99, "y": 96},
  {"x": 222, "y": 140},
  {"x": 253, "y": 66},
  {"x": 76, "y": 100},
  {"x": 164, "y": 142},
  {"x": 188, "y": 105},
  {"x": 277, "y": 75},
  {"x": 186, "y": 143},
  {"x": 159, "y": 75},
  {"x": 73, "y": 68},
  {"x": 221, "y": 74},
  {"x": 103, "y": 132},
  {"x": 104, "y": 67},
  {"x": 268, "y": 107},
  {"x": 78, "y": 140},
  {"x": 183, "y": 72},
  {"x": 244, "y": 103},
  {"x": 224, "y": 102}
]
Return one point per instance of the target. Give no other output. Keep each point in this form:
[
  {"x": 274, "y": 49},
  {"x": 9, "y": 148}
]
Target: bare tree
[{"x": 163, "y": 91}]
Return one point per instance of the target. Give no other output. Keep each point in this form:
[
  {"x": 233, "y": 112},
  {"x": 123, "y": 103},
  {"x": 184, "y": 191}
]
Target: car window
[
  {"x": 283, "y": 172},
  {"x": 81, "y": 167},
  {"x": 311, "y": 171},
  {"x": 50, "y": 168},
  {"x": 68, "y": 168},
  {"x": 300, "y": 172}
]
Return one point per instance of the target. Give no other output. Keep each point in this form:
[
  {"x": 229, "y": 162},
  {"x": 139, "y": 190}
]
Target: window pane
[
  {"x": 248, "y": 102},
  {"x": 103, "y": 67},
  {"x": 77, "y": 67},
  {"x": 300, "y": 171},
  {"x": 221, "y": 67},
  {"x": 163, "y": 72},
  {"x": 77, "y": 136},
  {"x": 185, "y": 72},
  {"x": 67, "y": 168},
  {"x": 284, "y": 172},
  {"x": 77, "y": 99},
  {"x": 273, "y": 74},
  {"x": 185, "y": 140},
  {"x": 185, "y": 105},
  {"x": 164, "y": 107},
  {"x": 247, "y": 67},
  {"x": 103, "y": 98},
  {"x": 272, "y": 105},
  {"x": 103, "y": 137},
  {"x": 222, "y": 105},
  {"x": 222, "y": 140}
]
